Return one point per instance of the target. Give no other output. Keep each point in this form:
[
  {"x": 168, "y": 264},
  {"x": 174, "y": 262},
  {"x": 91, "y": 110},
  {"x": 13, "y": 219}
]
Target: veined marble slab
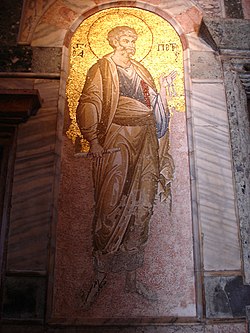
[{"x": 217, "y": 210}]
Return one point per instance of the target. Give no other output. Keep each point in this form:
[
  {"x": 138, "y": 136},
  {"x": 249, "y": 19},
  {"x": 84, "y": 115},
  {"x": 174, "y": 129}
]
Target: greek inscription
[
  {"x": 161, "y": 47},
  {"x": 167, "y": 47},
  {"x": 78, "y": 50}
]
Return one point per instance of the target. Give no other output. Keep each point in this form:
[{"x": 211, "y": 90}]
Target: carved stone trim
[
  {"x": 237, "y": 83},
  {"x": 245, "y": 80},
  {"x": 17, "y": 105},
  {"x": 227, "y": 34},
  {"x": 205, "y": 34}
]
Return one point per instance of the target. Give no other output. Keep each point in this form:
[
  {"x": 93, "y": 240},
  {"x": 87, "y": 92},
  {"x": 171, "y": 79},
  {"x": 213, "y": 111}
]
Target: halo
[{"x": 97, "y": 38}]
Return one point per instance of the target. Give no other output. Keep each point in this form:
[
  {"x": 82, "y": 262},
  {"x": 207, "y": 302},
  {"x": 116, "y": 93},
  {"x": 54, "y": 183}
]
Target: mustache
[{"x": 128, "y": 49}]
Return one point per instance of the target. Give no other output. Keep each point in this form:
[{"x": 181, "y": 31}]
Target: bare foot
[
  {"x": 135, "y": 286},
  {"x": 94, "y": 291}
]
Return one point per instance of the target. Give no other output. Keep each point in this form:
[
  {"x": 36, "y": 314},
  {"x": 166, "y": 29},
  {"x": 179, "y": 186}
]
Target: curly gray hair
[{"x": 119, "y": 31}]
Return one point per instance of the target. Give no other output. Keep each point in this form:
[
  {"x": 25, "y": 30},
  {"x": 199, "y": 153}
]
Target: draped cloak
[{"x": 125, "y": 181}]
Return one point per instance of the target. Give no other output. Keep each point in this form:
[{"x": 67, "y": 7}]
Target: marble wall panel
[
  {"x": 48, "y": 90},
  {"x": 197, "y": 44},
  {"x": 12, "y": 83},
  {"x": 33, "y": 184},
  {"x": 217, "y": 209},
  {"x": 48, "y": 35},
  {"x": 208, "y": 60}
]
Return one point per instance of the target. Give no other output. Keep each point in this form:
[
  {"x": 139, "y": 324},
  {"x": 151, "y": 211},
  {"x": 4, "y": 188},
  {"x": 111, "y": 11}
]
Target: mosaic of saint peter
[{"x": 122, "y": 116}]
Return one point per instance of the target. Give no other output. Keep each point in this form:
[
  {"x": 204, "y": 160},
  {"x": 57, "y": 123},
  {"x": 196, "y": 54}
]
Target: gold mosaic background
[{"x": 158, "y": 48}]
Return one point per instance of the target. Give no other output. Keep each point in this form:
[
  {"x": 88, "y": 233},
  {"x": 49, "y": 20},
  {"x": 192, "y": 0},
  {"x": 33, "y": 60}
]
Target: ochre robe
[{"x": 125, "y": 181}]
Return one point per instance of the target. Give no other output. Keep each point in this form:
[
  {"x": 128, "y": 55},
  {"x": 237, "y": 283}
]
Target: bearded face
[{"x": 126, "y": 45}]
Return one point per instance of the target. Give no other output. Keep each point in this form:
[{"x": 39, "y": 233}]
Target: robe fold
[{"x": 125, "y": 181}]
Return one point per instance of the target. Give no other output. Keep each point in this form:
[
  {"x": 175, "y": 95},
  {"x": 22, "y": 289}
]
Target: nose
[{"x": 131, "y": 44}]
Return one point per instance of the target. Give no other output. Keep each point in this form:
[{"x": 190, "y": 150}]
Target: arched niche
[
  {"x": 171, "y": 232},
  {"x": 47, "y": 25}
]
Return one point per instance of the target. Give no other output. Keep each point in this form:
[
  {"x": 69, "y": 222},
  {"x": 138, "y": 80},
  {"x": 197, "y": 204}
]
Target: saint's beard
[{"x": 127, "y": 51}]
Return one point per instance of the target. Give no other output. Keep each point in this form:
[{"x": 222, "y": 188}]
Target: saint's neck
[{"x": 121, "y": 59}]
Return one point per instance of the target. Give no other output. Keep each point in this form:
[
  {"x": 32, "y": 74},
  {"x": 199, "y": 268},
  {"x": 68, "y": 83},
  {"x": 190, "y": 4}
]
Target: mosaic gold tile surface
[{"x": 158, "y": 48}]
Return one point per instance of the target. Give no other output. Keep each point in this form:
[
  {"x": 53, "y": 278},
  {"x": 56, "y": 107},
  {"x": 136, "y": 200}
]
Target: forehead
[{"x": 127, "y": 36}]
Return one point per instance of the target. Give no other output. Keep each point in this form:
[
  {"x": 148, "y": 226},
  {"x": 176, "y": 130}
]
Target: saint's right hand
[{"x": 96, "y": 150}]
